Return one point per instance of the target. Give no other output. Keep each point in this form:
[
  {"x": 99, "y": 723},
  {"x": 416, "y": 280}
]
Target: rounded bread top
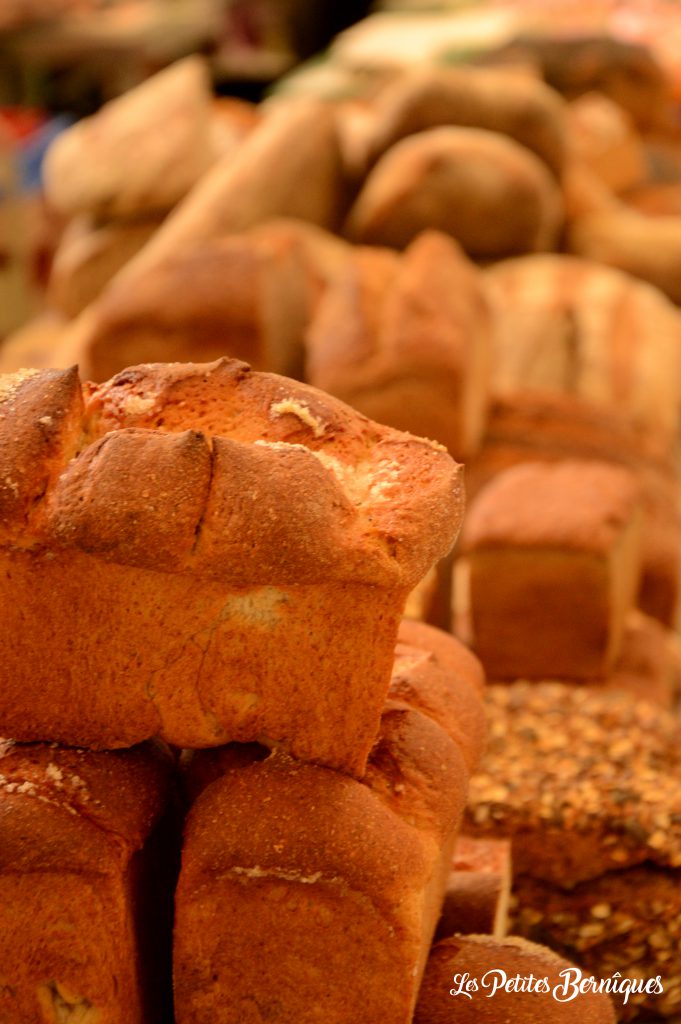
[{"x": 219, "y": 471}]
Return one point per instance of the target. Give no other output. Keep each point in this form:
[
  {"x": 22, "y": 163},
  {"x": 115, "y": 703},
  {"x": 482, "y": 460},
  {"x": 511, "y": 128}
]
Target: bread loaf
[
  {"x": 514, "y": 980},
  {"x": 532, "y": 426},
  {"x": 83, "y": 937},
  {"x": 89, "y": 255},
  {"x": 572, "y": 326},
  {"x": 332, "y": 880},
  {"x": 226, "y": 552},
  {"x": 492, "y": 195},
  {"x": 249, "y": 296},
  {"x": 141, "y": 153},
  {"x": 553, "y": 553},
  {"x": 478, "y": 889},
  {"x": 586, "y": 785},
  {"x": 289, "y": 166},
  {"x": 498, "y": 100},
  {"x": 408, "y": 343}
]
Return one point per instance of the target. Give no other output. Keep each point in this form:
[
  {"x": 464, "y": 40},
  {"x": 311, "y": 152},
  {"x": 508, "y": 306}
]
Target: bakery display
[
  {"x": 212, "y": 556},
  {"x": 586, "y": 786},
  {"x": 552, "y": 553},
  {"x": 81, "y": 858}
]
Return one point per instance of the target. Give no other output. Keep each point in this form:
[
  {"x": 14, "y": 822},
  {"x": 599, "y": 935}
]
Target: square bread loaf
[
  {"x": 206, "y": 554},
  {"x": 85, "y": 919},
  {"x": 321, "y": 906},
  {"x": 552, "y": 558}
]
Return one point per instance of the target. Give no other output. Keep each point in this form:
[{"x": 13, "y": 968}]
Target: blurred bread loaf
[
  {"x": 408, "y": 342},
  {"x": 141, "y": 153},
  {"x": 498, "y": 100},
  {"x": 494, "y": 196},
  {"x": 249, "y": 296},
  {"x": 553, "y": 560}
]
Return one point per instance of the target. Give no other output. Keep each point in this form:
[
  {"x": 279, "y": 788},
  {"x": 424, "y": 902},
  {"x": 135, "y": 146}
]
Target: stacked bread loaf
[{"x": 232, "y": 553}]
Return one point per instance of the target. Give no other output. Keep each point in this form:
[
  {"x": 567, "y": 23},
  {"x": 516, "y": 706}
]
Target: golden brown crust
[
  {"x": 520, "y": 106},
  {"x": 142, "y": 477},
  {"x": 367, "y": 856},
  {"x": 76, "y": 873},
  {"x": 478, "y": 889},
  {"x": 571, "y": 505},
  {"x": 493, "y": 195},
  {"x": 583, "y": 781},
  {"x": 194, "y": 520},
  {"x": 484, "y": 959},
  {"x": 578, "y": 327},
  {"x": 408, "y": 343}
]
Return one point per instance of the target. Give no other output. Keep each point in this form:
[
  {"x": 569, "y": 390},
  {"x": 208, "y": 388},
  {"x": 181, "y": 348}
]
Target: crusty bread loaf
[
  {"x": 498, "y": 100},
  {"x": 553, "y": 554},
  {"x": 226, "y": 552},
  {"x": 487, "y": 191},
  {"x": 289, "y": 166},
  {"x": 573, "y": 326},
  {"x": 514, "y": 980},
  {"x": 249, "y": 296},
  {"x": 89, "y": 255},
  {"x": 141, "y": 153},
  {"x": 574, "y": 63},
  {"x": 322, "y": 905},
  {"x": 408, "y": 342},
  {"x": 82, "y": 939},
  {"x": 533, "y": 426},
  {"x": 478, "y": 889}
]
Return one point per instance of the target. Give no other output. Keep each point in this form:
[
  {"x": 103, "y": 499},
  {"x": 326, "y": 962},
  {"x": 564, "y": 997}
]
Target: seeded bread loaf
[
  {"x": 408, "y": 342},
  {"x": 83, "y": 938},
  {"x": 553, "y": 559},
  {"x": 587, "y": 785},
  {"x": 227, "y": 553},
  {"x": 322, "y": 905}
]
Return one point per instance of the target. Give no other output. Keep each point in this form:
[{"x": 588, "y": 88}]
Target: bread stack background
[{"x": 459, "y": 253}]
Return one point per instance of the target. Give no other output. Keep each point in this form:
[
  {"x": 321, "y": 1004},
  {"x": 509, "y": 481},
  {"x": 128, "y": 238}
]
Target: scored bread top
[{"x": 216, "y": 470}]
